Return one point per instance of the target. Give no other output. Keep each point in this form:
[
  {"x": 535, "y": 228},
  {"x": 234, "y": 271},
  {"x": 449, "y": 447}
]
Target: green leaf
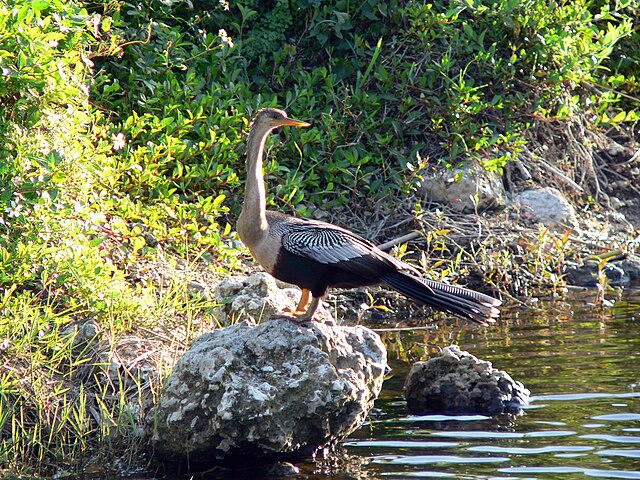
[
  {"x": 218, "y": 200},
  {"x": 39, "y": 5},
  {"x": 620, "y": 117},
  {"x": 138, "y": 244},
  {"x": 106, "y": 24},
  {"x": 469, "y": 31}
]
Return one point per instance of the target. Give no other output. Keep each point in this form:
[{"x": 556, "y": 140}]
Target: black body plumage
[{"x": 318, "y": 256}]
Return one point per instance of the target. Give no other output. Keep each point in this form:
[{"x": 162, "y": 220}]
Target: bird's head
[{"x": 270, "y": 118}]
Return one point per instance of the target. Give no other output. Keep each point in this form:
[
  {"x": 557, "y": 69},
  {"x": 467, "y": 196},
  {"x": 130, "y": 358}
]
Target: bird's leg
[
  {"x": 302, "y": 304},
  {"x": 304, "y": 300},
  {"x": 308, "y": 315}
]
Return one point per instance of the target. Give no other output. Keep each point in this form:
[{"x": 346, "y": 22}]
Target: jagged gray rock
[
  {"x": 268, "y": 391},
  {"x": 463, "y": 187},
  {"x": 547, "y": 206},
  {"x": 457, "y": 382}
]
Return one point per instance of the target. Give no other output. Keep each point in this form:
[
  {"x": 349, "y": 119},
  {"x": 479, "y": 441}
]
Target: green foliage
[
  {"x": 122, "y": 125},
  {"x": 61, "y": 253},
  {"x": 431, "y": 87},
  {"x": 41, "y": 57},
  {"x": 398, "y": 81},
  {"x": 44, "y": 242}
]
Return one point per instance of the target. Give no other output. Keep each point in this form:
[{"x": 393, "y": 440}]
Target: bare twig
[
  {"x": 399, "y": 240},
  {"x": 523, "y": 170},
  {"x": 633, "y": 158},
  {"x": 553, "y": 169}
]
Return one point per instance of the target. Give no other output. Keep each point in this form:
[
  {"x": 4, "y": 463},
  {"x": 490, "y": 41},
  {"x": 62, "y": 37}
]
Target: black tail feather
[{"x": 465, "y": 303}]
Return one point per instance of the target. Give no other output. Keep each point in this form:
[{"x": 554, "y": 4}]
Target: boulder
[
  {"x": 458, "y": 383},
  {"x": 460, "y": 188},
  {"x": 267, "y": 392},
  {"x": 547, "y": 206}
]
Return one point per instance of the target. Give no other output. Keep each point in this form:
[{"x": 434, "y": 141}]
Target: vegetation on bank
[{"x": 122, "y": 143}]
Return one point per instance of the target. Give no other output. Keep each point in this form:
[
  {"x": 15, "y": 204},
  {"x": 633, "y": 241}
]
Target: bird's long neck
[{"x": 252, "y": 224}]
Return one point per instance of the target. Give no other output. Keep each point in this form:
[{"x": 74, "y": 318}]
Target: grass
[
  {"x": 122, "y": 157},
  {"x": 75, "y": 392}
]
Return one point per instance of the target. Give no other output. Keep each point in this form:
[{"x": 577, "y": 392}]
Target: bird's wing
[{"x": 332, "y": 245}]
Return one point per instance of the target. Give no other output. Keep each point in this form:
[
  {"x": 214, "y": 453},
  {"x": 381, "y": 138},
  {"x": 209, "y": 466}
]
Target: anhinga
[{"x": 316, "y": 255}]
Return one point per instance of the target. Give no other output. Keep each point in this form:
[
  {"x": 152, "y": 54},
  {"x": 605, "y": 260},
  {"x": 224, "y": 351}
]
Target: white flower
[
  {"x": 225, "y": 5},
  {"x": 58, "y": 20},
  {"x": 14, "y": 209},
  {"x": 222, "y": 33},
  {"x": 119, "y": 142}
]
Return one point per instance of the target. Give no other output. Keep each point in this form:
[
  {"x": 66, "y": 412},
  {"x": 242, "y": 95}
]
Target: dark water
[{"x": 582, "y": 366}]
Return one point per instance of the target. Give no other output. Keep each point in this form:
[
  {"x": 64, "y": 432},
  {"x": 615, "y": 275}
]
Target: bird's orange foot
[
  {"x": 300, "y": 315},
  {"x": 297, "y": 316},
  {"x": 291, "y": 311}
]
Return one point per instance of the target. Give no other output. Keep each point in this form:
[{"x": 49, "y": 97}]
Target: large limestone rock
[
  {"x": 547, "y": 206},
  {"x": 463, "y": 187},
  {"x": 457, "y": 382},
  {"x": 268, "y": 391}
]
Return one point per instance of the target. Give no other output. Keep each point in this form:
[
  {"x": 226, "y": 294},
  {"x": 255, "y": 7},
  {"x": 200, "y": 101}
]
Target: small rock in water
[
  {"x": 458, "y": 383},
  {"x": 267, "y": 392},
  {"x": 631, "y": 266},
  {"x": 587, "y": 275},
  {"x": 281, "y": 469}
]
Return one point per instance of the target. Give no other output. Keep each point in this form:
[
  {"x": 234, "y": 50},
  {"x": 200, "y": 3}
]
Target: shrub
[{"x": 399, "y": 81}]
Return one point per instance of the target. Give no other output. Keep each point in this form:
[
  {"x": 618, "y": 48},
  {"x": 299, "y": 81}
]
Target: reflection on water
[{"x": 582, "y": 366}]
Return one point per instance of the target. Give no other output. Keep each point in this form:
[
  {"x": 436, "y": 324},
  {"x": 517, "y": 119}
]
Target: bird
[{"x": 317, "y": 256}]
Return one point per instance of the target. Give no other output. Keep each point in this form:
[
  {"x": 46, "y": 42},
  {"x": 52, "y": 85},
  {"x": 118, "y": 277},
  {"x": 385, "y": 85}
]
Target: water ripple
[
  {"x": 433, "y": 418},
  {"x": 494, "y": 435},
  {"x": 620, "y": 453},
  {"x": 612, "y": 438},
  {"x": 531, "y": 450},
  {"x": 590, "y": 472},
  {"x": 618, "y": 416},
  {"x": 423, "y": 474},
  {"x": 445, "y": 418},
  {"x": 478, "y": 434},
  {"x": 400, "y": 444},
  {"x": 429, "y": 459},
  {"x": 583, "y": 396}
]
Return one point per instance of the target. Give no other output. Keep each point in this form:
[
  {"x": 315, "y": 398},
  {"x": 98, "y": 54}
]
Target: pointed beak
[{"x": 292, "y": 122}]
